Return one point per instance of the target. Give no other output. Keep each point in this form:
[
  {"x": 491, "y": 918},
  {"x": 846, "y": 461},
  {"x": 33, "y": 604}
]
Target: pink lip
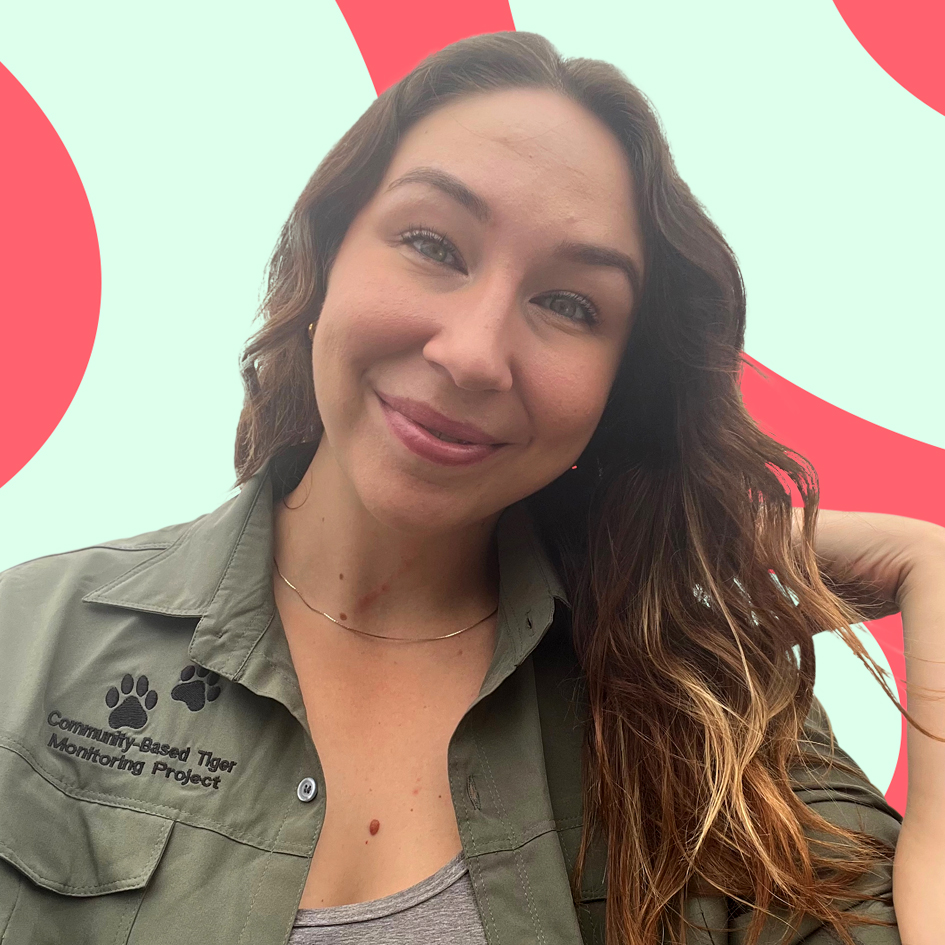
[
  {"x": 428, "y": 417},
  {"x": 423, "y": 443}
]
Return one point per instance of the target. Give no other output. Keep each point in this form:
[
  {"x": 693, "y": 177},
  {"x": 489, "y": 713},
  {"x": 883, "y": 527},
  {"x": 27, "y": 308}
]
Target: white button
[{"x": 307, "y": 789}]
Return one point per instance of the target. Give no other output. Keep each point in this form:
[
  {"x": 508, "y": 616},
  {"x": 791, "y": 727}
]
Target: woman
[{"x": 503, "y": 552}]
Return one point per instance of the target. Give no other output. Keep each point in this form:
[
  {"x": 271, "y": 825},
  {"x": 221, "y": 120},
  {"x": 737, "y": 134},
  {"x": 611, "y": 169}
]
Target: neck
[{"x": 374, "y": 577}]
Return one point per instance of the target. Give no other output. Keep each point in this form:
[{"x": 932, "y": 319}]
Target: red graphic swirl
[
  {"x": 50, "y": 278},
  {"x": 394, "y": 37},
  {"x": 907, "y": 39}
]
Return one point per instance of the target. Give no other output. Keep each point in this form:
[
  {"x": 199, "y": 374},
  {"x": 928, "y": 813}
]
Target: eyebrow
[
  {"x": 586, "y": 253},
  {"x": 591, "y": 255},
  {"x": 451, "y": 186}
]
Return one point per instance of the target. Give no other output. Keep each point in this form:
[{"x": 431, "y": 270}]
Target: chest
[{"x": 381, "y": 716}]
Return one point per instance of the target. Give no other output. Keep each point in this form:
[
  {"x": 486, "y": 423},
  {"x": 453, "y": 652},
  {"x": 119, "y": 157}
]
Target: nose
[{"x": 474, "y": 334}]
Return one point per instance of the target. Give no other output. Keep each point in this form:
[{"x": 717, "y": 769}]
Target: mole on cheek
[{"x": 375, "y": 826}]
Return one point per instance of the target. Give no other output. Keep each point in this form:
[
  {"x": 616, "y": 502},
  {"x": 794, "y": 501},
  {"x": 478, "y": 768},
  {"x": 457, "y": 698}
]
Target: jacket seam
[
  {"x": 709, "y": 931},
  {"x": 241, "y": 669},
  {"x": 546, "y": 574},
  {"x": 150, "y": 608},
  {"x": 92, "y": 596},
  {"x": 516, "y": 852},
  {"x": 16, "y": 903},
  {"x": 472, "y": 862},
  {"x": 474, "y": 865},
  {"x": 262, "y": 876},
  {"x": 544, "y": 827},
  {"x": 130, "y": 803},
  {"x": 107, "y": 546},
  {"x": 134, "y": 907},
  {"x": 275, "y": 666}
]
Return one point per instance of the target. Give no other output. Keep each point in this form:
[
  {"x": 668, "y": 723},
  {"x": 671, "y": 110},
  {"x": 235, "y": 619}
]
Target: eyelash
[{"x": 412, "y": 235}]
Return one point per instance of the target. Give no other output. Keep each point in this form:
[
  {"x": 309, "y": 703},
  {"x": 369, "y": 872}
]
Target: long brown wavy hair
[{"x": 693, "y": 608}]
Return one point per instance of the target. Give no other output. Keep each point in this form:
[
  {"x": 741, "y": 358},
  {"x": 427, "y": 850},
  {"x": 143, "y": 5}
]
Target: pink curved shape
[
  {"x": 906, "y": 39},
  {"x": 394, "y": 37},
  {"x": 50, "y": 278}
]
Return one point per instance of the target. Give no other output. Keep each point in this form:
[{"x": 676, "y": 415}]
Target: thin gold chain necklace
[{"x": 379, "y": 636}]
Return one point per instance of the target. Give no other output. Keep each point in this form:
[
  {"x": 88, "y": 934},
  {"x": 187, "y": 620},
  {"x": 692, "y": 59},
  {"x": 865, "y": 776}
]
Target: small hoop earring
[{"x": 311, "y": 330}]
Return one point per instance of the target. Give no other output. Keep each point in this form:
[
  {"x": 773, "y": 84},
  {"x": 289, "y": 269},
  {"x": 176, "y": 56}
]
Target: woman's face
[{"x": 490, "y": 281}]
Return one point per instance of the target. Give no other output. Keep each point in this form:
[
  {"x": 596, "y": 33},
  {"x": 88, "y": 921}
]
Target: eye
[
  {"x": 434, "y": 247},
  {"x": 439, "y": 249},
  {"x": 574, "y": 307}
]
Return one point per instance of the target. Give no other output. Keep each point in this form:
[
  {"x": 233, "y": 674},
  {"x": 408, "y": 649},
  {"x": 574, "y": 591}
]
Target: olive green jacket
[{"x": 154, "y": 752}]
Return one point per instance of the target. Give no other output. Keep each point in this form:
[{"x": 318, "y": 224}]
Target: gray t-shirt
[{"x": 440, "y": 908}]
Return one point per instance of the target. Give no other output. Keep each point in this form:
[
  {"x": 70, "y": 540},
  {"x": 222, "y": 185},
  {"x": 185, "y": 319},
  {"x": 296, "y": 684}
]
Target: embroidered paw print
[
  {"x": 139, "y": 699},
  {"x": 196, "y": 688}
]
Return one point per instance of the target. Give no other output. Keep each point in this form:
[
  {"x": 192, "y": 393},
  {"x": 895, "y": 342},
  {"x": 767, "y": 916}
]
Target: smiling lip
[
  {"x": 420, "y": 441},
  {"x": 429, "y": 418}
]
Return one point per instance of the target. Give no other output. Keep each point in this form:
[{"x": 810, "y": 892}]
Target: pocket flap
[{"x": 70, "y": 845}]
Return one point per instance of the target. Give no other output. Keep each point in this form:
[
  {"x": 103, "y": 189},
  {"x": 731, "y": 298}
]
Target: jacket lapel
[
  {"x": 220, "y": 571},
  {"x": 497, "y": 760}
]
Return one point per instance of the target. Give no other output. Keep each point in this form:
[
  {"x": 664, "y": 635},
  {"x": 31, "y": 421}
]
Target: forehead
[{"x": 535, "y": 156}]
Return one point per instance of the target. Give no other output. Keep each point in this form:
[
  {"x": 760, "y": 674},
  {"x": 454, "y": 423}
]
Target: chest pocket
[{"x": 71, "y": 869}]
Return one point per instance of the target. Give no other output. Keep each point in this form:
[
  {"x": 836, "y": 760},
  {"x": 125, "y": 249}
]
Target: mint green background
[{"x": 194, "y": 127}]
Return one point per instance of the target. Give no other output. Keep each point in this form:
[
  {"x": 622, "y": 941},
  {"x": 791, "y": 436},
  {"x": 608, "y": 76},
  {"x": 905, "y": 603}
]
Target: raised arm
[{"x": 903, "y": 560}]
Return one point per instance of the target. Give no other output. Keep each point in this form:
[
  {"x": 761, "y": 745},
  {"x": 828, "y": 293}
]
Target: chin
[
  {"x": 420, "y": 514},
  {"x": 408, "y": 504}
]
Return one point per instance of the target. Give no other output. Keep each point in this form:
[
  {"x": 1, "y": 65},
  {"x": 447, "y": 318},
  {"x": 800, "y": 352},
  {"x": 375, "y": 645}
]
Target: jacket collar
[{"x": 220, "y": 571}]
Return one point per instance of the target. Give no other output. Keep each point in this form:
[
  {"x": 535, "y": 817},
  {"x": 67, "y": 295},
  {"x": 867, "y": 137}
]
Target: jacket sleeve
[{"x": 843, "y": 795}]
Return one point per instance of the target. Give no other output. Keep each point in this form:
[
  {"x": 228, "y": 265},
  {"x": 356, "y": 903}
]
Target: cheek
[
  {"x": 567, "y": 403},
  {"x": 368, "y": 322}
]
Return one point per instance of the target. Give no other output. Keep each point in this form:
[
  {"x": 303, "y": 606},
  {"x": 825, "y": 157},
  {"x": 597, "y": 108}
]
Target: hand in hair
[
  {"x": 883, "y": 564},
  {"x": 871, "y": 559}
]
